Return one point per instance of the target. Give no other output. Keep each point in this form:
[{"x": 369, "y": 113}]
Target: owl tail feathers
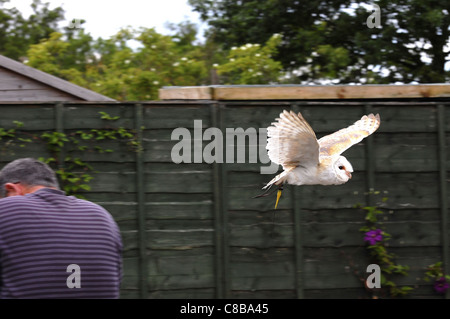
[{"x": 280, "y": 179}]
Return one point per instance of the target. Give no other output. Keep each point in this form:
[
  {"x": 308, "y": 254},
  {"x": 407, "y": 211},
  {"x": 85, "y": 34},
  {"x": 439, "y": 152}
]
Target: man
[{"x": 53, "y": 245}]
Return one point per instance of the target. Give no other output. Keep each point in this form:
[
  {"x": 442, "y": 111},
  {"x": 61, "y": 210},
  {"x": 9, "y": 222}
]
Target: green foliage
[
  {"x": 330, "y": 40},
  {"x": 55, "y": 140},
  {"x": 319, "y": 42},
  {"x": 10, "y": 132},
  {"x": 334, "y": 59},
  {"x": 9, "y": 135},
  {"x": 252, "y": 63},
  {"x": 117, "y": 70},
  {"x": 57, "y": 57},
  {"x": 71, "y": 178},
  {"x": 435, "y": 271},
  {"x": 441, "y": 280},
  {"x": 106, "y": 116},
  {"x": 380, "y": 255},
  {"x": 18, "y": 33},
  {"x": 6, "y": 133}
]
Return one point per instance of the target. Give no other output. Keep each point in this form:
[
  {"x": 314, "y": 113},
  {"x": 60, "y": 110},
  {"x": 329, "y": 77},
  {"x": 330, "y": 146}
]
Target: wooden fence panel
[{"x": 194, "y": 230}]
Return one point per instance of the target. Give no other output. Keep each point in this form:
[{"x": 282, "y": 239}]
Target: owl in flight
[{"x": 292, "y": 143}]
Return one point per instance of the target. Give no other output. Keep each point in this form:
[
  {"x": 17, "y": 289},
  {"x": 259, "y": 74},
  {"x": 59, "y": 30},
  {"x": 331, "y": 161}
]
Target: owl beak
[{"x": 348, "y": 174}]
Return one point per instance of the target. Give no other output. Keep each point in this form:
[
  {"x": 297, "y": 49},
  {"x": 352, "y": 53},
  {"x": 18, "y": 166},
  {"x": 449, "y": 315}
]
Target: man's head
[{"x": 24, "y": 176}]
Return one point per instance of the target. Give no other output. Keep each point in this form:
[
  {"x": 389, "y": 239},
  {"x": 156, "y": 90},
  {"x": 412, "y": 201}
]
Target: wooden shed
[{"x": 19, "y": 82}]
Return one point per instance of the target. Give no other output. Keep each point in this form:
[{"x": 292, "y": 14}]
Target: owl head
[{"x": 343, "y": 169}]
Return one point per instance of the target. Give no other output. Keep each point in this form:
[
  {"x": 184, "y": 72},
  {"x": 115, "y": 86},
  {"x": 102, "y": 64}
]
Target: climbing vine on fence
[
  {"x": 73, "y": 172},
  {"x": 377, "y": 240}
]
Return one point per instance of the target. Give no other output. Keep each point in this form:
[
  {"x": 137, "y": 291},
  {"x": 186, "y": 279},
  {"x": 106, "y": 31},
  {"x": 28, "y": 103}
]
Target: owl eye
[{"x": 341, "y": 167}]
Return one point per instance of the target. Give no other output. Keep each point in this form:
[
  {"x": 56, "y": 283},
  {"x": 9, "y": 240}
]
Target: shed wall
[{"x": 16, "y": 87}]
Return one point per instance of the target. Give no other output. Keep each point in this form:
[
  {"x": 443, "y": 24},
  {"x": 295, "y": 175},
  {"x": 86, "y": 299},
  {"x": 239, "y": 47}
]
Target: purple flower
[
  {"x": 441, "y": 285},
  {"x": 373, "y": 236}
]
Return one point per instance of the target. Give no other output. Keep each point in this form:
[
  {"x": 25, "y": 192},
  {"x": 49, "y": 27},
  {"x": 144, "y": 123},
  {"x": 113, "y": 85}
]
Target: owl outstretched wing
[
  {"x": 292, "y": 142},
  {"x": 339, "y": 141}
]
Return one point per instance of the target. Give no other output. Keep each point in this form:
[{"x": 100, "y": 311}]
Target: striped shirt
[{"x": 58, "y": 246}]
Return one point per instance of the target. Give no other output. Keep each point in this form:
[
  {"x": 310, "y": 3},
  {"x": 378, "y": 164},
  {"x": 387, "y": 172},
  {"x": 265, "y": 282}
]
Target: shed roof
[{"x": 51, "y": 81}]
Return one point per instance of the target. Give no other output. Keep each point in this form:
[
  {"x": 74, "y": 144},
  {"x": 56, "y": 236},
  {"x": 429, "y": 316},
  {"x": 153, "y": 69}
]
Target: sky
[{"x": 105, "y": 17}]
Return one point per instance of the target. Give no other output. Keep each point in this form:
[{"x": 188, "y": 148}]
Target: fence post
[
  {"x": 140, "y": 193},
  {"x": 59, "y": 126},
  {"x": 220, "y": 215},
  {"x": 298, "y": 242},
  {"x": 443, "y": 189},
  {"x": 370, "y": 165}
]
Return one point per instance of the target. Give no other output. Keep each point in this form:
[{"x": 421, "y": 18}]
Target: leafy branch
[
  {"x": 436, "y": 273},
  {"x": 377, "y": 239},
  {"x": 72, "y": 171}
]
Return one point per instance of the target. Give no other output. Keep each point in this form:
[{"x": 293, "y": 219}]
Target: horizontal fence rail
[{"x": 194, "y": 230}]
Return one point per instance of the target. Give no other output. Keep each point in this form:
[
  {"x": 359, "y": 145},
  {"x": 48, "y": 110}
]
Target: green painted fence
[{"x": 194, "y": 230}]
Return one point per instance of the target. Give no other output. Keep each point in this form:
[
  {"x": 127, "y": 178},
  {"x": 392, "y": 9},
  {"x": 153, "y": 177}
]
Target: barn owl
[{"x": 292, "y": 143}]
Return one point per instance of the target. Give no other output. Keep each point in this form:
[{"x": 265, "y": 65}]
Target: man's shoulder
[
  {"x": 42, "y": 200},
  {"x": 13, "y": 201},
  {"x": 14, "y": 208},
  {"x": 75, "y": 201}
]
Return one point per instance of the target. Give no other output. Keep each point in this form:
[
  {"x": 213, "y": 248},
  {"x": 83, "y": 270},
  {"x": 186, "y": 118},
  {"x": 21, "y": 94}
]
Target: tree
[
  {"x": 18, "y": 33},
  {"x": 60, "y": 58},
  {"x": 413, "y": 42},
  {"x": 111, "y": 67},
  {"x": 330, "y": 40},
  {"x": 252, "y": 63}
]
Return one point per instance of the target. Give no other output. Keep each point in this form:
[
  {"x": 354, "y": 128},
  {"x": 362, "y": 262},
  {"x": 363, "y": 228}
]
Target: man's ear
[{"x": 14, "y": 189}]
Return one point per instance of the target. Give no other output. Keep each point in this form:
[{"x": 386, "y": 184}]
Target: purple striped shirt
[{"x": 44, "y": 235}]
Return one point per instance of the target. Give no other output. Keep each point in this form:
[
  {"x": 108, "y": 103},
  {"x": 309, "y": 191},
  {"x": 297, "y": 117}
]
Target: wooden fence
[{"x": 193, "y": 230}]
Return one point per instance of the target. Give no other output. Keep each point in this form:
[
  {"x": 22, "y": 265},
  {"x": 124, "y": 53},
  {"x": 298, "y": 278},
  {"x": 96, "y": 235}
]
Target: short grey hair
[{"x": 27, "y": 171}]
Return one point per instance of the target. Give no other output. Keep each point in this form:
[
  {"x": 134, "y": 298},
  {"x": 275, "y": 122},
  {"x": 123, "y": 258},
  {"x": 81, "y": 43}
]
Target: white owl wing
[
  {"x": 339, "y": 141},
  {"x": 292, "y": 142}
]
